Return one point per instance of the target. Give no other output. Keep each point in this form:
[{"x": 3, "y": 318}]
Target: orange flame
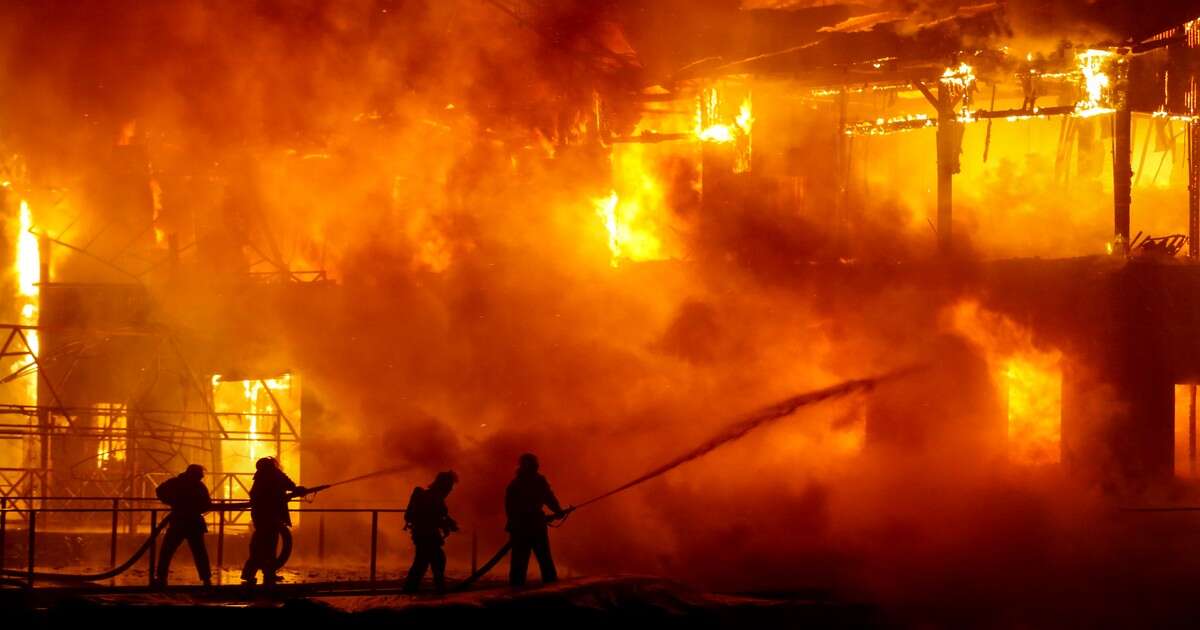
[
  {"x": 1095, "y": 83},
  {"x": 28, "y": 270},
  {"x": 1028, "y": 376},
  {"x": 633, "y": 212},
  {"x": 111, "y": 448}
]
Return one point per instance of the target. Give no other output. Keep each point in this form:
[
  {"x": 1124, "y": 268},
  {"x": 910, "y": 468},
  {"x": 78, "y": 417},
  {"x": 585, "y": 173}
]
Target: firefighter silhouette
[
  {"x": 189, "y": 500},
  {"x": 269, "y": 495},
  {"x": 527, "y": 493},
  {"x": 429, "y": 521}
]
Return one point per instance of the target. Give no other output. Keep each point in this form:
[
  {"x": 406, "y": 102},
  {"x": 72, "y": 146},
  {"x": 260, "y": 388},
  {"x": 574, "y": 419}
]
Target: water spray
[{"x": 731, "y": 433}]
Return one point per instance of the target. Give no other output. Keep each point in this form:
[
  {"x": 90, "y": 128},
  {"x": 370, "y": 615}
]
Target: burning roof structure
[{"x": 423, "y": 234}]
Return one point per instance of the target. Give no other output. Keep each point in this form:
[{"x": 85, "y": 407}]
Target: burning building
[{"x": 438, "y": 234}]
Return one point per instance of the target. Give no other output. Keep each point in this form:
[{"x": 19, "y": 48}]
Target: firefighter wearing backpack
[
  {"x": 269, "y": 496},
  {"x": 429, "y": 521},
  {"x": 189, "y": 500}
]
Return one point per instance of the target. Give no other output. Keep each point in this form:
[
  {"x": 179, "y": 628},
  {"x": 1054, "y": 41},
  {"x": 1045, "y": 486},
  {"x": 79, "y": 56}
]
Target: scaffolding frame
[{"x": 152, "y": 439}]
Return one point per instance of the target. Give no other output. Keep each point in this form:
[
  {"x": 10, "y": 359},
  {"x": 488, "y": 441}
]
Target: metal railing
[{"x": 30, "y": 514}]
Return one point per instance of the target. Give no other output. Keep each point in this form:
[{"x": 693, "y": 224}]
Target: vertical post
[
  {"x": 1193, "y": 145},
  {"x": 131, "y": 516},
  {"x": 220, "y": 541},
  {"x": 842, "y": 161},
  {"x": 45, "y": 420},
  {"x": 32, "y": 525},
  {"x": 3, "y": 527},
  {"x": 1122, "y": 177},
  {"x": 374, "y": 540},
  {"x": 947, "y": 166},
  {"x": 112, "y": 541},
  {"x": 1192, "y": 431},
  {"x": 153, "y": 544},
  {"x": 321, "y": 539}
]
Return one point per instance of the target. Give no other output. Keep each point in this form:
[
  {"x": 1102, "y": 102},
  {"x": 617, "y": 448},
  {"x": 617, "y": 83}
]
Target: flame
[
  {"x": 250, "y": 398},
  {"x": 111, "y": 448},
  {"x": 160, "y": 235},
  {"x": 1029, "y": 377},
  {"x": 29, "y": 260},
  {"x": 1162, "y": 112},
  {"x": 1095, "y": 83},
  {"x": 722, "y": 133},
  {"x": 625, "y": 241},
  {"x": 28, "y": 269},
  {"x": 632, "y": 212},
  {"x": 961, "y": 80},
  {"x": 961, "y": 77},
  {"x": 1034, "y": 408},
  {"x": 885, "y": 126}
]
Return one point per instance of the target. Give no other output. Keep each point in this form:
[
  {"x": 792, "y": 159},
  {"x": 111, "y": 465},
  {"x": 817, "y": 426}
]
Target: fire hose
[
  {"x": 285, "y": 550},
  {"x": 730, "y": 433},
  {"x": 285, "y": 553},
  {"x": 733, "y": 432}
]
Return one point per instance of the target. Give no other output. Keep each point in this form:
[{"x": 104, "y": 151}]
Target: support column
[
  {"x": 949, "y": 138},
  {"x": 43, "y": 386},
  {"x": 842, "y": 157},
  {"x": 1193, "y": 146},
  {"x": 1122, "y": 175}
]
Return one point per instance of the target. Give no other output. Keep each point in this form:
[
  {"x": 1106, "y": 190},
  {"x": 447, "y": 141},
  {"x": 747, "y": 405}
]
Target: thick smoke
[{"x": 418, "y": 151}]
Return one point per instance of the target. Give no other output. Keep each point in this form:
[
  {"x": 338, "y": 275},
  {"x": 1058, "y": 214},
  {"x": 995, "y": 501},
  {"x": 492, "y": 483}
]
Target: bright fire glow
[
  {"x": 28, "y": 258},
  {"x": 28, "y": 270},
  {"x": 1029, "y": 377},
  {"x": 625, "y": 241},
  {"x": 885, "y": 126},
  {"x": 112, "y": 421},
  {"x": 1034, "y": 407},
  {"x": 257, "y": 426},
  {"x": 961, "y": 80},
  {"x": 634, "y": 212},
  {"x": 708, "y": 109},
  {"x": 160, "y": 235},
  {"x": 1095, "y": 83}
]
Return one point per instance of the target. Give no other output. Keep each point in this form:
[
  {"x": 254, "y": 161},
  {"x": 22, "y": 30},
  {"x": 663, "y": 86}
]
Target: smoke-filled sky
[{"x": 421, "y": 152}]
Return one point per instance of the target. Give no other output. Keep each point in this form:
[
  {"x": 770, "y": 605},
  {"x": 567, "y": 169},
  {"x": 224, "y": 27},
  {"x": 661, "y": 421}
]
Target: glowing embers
[
  {"x": 1096, "y": 83},
  {"x": 1163, "y": 114},
  {"x": 1027, "y": 376},
  {"x": 635, "y": 213},
  {"x": 262, "y": 419},
  {"x": 960, "y": 81},
  {"x": 886, "y": 126},
  {"x": 112, "y": 425}
]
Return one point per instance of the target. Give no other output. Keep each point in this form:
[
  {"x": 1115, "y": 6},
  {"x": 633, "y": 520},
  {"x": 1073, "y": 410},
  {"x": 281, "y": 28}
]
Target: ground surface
[{"x": 571, "y": 603}]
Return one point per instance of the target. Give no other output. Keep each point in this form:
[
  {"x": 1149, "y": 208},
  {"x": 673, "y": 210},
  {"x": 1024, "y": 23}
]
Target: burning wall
[{"x": 433, "y": 158}]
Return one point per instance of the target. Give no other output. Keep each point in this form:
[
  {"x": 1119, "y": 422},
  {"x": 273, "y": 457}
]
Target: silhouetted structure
[
  {"x": 189, "y": 500},
  {"x": 523, "y": 502},
  {"x": 429, "y": 520},
  {"x": 269, "y": 497}
]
